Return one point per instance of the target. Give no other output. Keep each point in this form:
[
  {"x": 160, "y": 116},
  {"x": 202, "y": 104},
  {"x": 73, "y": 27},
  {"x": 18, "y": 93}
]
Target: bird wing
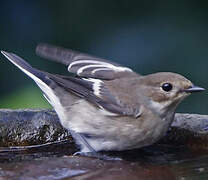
[
  {"x": 93, "y": 90},
  {"x": 96, "y": 92},
  {"x": 84, "y": 65}
]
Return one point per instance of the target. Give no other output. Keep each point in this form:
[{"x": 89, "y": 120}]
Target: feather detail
[{"x": 94, "y": 66}]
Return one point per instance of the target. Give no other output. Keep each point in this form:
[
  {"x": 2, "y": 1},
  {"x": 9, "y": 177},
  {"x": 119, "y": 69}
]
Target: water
[{"x": 159, "y": 161}]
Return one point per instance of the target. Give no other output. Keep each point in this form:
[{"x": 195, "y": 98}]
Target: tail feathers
[
  {"x": 15, "y": 59},
  {"x": 41, "y": 78},
  {"x": 50, "y": 89},
  {"x": 38, "y": 76}
]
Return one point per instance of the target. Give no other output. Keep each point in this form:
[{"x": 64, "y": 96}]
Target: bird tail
[
  {"x": 38, "y": 76},
  {"x": 41, "y": 78}
]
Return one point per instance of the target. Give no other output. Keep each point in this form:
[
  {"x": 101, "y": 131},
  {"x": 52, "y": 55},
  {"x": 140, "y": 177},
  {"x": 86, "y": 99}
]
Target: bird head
[{"x": 166, "y": 90}]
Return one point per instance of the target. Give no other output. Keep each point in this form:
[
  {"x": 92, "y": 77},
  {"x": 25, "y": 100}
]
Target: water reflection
[{"x": 51, "y": 162}]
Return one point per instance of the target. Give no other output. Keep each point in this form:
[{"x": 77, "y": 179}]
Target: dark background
[{"x": 146, "y": 35}]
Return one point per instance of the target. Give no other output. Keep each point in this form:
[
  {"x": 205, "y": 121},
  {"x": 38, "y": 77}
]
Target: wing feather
[
  {"x": 96, "y": 92},
  {"x": 84, "y": 65},
  {"x": 93, "y": 90}
]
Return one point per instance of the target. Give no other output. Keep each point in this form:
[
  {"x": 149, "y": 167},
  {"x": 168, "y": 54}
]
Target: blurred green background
[{"x": 146, "y": 35}]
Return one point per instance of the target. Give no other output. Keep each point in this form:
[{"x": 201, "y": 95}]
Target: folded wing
[{"x": 93, "y": 90}]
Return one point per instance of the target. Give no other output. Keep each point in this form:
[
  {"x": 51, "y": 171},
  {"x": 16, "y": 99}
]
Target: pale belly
[{"x": 113, "y": 133}]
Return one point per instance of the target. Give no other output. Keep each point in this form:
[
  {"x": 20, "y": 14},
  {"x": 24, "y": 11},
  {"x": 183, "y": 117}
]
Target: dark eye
[{"x": 167, "y": 87}]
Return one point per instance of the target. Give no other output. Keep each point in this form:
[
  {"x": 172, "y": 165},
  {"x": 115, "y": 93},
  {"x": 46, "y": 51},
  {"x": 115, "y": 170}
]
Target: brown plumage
[{"x": 107, "y": 106}]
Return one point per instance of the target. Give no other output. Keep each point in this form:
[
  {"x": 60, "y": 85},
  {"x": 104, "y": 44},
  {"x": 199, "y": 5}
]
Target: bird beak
[{"x": 194, "y": 89}]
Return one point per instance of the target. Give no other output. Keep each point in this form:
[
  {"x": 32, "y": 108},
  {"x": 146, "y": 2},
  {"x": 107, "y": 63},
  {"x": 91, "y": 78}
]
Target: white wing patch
[
  {"x": 97, "y": 65},
  {"x": 96, "y": 85},
  {"x": 100, "y": 69}
]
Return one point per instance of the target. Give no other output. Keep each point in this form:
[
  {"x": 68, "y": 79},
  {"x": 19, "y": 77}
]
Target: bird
[{"x": 104, "y": 105}]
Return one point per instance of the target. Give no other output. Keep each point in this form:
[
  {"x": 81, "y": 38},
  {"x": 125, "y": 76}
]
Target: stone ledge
[{"x": 40, "y": 126}]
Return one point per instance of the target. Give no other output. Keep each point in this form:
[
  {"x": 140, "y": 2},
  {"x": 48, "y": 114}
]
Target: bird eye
[{"x": 167, "y": 87}]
